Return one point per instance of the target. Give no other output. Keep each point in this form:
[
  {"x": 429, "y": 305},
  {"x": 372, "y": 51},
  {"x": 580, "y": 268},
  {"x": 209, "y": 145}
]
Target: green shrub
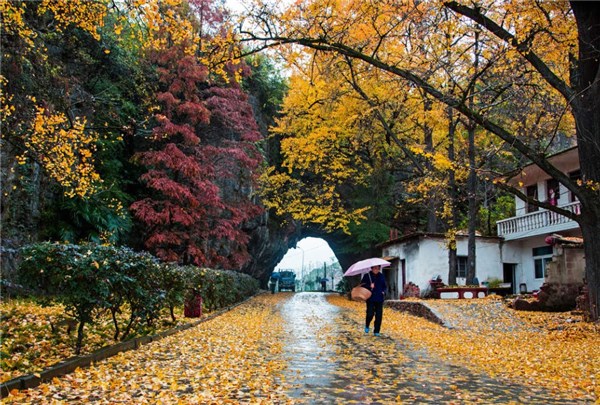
[
  {"x": 175, "y": 282},
  {"x": 219, "y": 288},
  {"x": 88, "y": 279},
  {"x": 494, "y": 282},
  {"x": 70, "y": 275}
]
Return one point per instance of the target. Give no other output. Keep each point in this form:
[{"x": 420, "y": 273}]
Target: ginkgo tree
[
  {"x": 556, "y": 43},
  {"x": 373, "y": 110},
  {"x": 337, "y": 154}
]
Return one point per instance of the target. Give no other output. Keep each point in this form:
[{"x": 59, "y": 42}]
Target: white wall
[
  {"x": 427, "y": 257},
  {"x": 488, "y": 258},
  {"x": 521, "y": 251}
]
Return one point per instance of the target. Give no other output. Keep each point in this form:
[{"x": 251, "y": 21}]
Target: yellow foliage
[
  {"x": 13, "y": 23},
  {"x": 247, "y": 355},
  {"x": 436, "y": 45},
  {"x": 317, "y": 203},
  {"x": 6, "y": 108},
  {"x": 234, "y": 358},
  {"x": 84, "y": 14},
  {"x": 65, "y": 151}
]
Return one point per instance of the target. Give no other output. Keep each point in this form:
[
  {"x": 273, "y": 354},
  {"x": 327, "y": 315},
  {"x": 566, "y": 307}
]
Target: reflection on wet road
[
  {"x": 309, "y": 318},
  {"x": 331, "y": 360}
]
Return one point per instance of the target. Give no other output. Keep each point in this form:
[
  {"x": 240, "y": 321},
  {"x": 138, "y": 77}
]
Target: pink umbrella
[{"x": 364, "y": 266}]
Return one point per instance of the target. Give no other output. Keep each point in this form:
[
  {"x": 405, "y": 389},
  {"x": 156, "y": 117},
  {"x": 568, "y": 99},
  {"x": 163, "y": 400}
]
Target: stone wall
[
  {"x": 414, "y": 308},
  {"x": 564, "y": 279},
  {"x": 567, "y": 266}
]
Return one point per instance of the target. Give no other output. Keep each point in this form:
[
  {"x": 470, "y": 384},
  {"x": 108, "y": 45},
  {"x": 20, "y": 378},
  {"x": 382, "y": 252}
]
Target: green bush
[
  {"x": 88, "y": 279},
  {"x": 219, "y": 288},
  {"x": 494, "y": 282},
  {"x": 67, "y": 274},
  {"x": 175, "y": 282}
]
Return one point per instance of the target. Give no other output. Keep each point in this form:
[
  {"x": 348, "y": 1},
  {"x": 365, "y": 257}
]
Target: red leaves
[
  {"x": 231, "y": 109},
  {"x": 167, "y": 130},
  {"x": 199, "y": 168},
  {"x": 169, "y": 101},
  {"x": 196, "y": 112}
]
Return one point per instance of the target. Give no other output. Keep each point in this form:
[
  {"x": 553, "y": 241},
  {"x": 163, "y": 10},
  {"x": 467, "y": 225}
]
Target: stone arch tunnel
[{"x": 270, "y": 243}]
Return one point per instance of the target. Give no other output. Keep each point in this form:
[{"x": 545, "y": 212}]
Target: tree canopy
[
  {"x": 518, "y": 73},
  {"x": 127, "y": 123}
]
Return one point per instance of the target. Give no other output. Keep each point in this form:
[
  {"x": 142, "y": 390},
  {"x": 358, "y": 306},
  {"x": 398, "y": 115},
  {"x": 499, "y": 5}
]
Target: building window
[
  {"x": 575, "y": 176},
  {"x": 553, "y": 191},
  {"x": 532, "y": 193},
  {"x": 461, "y": 266},
  {"x": 541, "y": 257}
]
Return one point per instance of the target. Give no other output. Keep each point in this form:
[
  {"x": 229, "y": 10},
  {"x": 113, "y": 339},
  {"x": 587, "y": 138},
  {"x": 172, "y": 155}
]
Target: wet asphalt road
[{"x": 331, "y": 360}]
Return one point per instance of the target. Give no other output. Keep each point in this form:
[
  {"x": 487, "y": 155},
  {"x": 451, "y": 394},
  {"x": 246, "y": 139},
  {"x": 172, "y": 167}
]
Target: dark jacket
[{"x": 377, "y": 293}]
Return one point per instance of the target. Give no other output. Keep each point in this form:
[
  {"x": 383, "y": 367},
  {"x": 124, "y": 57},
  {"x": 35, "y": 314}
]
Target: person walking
[{"x": 375, "y": 282}]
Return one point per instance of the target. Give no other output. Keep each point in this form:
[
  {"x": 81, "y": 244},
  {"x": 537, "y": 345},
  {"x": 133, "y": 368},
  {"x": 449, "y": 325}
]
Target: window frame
[
  {"x": 531, "y": 192},
  {"x": 541, "y": 257},
  {"x": 465, "y": 262}
]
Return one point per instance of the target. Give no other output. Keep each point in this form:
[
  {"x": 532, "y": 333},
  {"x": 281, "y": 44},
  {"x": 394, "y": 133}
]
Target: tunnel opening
[{"x": 314, "y": 264}]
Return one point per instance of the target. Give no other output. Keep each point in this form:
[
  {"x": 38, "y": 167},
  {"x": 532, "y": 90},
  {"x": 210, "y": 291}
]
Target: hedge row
[{"x": 91, "y": 279}]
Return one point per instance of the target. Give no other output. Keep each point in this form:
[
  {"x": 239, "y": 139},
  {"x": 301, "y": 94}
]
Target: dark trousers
[{"x": 374, "y": 309}]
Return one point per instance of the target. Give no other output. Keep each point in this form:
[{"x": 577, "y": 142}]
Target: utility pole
[{"x": 302, "y": 268}]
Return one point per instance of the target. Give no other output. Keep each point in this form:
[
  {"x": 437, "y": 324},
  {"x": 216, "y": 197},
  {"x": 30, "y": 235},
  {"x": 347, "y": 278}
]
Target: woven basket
[{"x": 360, "y": 294}]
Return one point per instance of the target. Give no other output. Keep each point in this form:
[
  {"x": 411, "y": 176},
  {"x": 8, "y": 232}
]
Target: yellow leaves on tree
[
  {"x": 65, "y": 151},
  {"x": 342, "y": 123},
  {"x": 6, "y": 107},
  {"x": 193, "y": 26},
  {"x": 309, "y": 202},
  {"x": 324, "y": 136},
  {"x": 13, "y": 23},
  {"x": 164, "y": 26},
  {"x": 437, "y": 45},
  {"x": 84, "y": 14}
]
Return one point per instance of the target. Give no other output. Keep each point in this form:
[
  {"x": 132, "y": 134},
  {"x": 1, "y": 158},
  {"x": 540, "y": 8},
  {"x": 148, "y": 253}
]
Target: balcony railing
[{"x": 540, "y": 220}]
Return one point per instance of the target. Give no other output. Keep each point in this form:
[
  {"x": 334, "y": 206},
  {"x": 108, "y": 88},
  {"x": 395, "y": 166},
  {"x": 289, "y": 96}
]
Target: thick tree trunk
[
  {"x": 586, "y": 109},
  {"x": 592, "y": 263},
  {"x": 473, "y": 208},
  {"x": 432, "y": 205},
  {"x": 452, "y": 191}
]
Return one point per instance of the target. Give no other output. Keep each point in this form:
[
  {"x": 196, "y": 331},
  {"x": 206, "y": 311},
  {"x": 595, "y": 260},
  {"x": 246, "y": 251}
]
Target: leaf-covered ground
[
  {"x": 28, "y": 344},
  {"x": 230, "y": 359},
  {"x": 301, "y": 349},
  {"x": 555, "y": 351}
]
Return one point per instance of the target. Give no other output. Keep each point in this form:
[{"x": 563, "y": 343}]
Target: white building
[
  {"x": 525, "y": 234},
  {"x": 521, "y": 253},
  {"x": 421, "y": 257}
]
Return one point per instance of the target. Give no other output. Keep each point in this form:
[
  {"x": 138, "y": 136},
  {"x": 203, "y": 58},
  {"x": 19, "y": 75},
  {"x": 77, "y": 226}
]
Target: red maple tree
[{"x": 200, "y": 165}]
